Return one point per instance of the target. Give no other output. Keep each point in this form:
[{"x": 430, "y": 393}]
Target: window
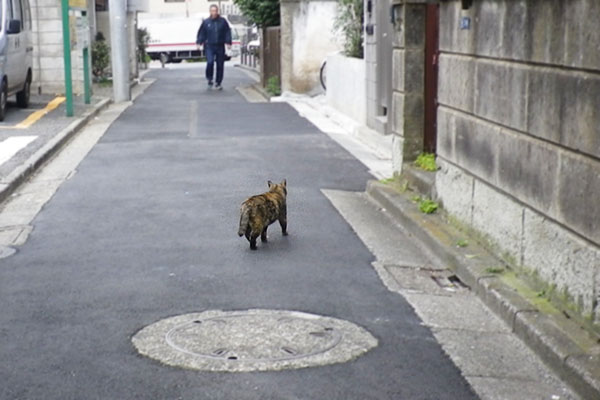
[
  {"x": 16, "y": 9},
  {"x": 26, "y": 15}
]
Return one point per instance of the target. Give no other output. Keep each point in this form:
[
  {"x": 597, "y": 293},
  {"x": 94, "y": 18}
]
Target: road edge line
[{"x": 36, "y": 160}]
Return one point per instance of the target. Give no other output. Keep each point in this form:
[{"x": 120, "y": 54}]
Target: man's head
[{"x": 214, "y": 11}]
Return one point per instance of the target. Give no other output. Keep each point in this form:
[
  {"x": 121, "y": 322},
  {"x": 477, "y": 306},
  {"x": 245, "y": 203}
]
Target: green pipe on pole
[
  {"x": 87, "y": 90},
  {"x": 67, "y": 57}
]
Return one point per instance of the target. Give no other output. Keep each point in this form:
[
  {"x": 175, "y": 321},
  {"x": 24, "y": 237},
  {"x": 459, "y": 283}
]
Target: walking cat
[{"x": 260, "y": 211}]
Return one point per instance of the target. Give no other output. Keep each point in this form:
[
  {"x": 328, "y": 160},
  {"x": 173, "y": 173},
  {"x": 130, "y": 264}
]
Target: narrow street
[{"x": 146, "y": 229}]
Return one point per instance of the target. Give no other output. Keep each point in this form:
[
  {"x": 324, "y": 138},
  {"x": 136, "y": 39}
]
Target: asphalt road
[{"x": 146, "y": 229}]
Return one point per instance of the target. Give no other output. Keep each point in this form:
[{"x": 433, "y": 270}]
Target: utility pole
[{"x": 119, "y": 50}]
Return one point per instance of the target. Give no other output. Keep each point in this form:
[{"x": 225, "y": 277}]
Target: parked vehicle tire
[
  {"x": 23, "y": 95},
  {"x": 323, "y": 75},
  {"x": 164, "y": 58},
  {"x": 3, "y": 100}
]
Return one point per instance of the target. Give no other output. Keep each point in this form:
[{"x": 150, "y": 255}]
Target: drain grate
[{"x": 254, "y": 340}]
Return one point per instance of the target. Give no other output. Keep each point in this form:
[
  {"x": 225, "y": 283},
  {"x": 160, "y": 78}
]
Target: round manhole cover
[{"x": 254, "y": 340}]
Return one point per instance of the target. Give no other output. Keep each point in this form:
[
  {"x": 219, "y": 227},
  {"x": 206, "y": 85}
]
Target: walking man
[{"x": 214, "y": 34}]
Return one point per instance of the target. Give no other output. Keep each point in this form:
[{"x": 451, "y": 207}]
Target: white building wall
[{"x": 307, "y": 38}]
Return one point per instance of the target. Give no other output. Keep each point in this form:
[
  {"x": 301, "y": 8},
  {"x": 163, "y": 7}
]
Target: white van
[{"x": 16, "y": 52}]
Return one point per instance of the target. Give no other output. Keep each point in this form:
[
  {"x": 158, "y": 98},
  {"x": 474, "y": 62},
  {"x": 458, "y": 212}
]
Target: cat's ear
[
  {"x": 269, "y": 183},
  {"x": 284, "y": 182}
]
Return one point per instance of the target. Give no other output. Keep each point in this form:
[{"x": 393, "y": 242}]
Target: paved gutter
[{"x": 563, "y": 345}]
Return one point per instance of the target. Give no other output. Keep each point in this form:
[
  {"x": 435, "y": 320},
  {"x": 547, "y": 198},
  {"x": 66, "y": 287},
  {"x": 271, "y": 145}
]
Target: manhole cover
[{"x": 254, "y": 340}]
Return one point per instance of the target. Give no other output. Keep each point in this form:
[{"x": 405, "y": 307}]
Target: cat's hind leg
[
  {"x": 263, "y": 235},
  {"x": 283, "y": 223},
  {"x": 253, "y": 241}
]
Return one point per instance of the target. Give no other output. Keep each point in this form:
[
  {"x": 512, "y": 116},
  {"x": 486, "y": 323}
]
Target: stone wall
[
  {"x": 519, "y": 134},
  {"x": 307, "y": 37},
  {"x": 407, "y": 114}
]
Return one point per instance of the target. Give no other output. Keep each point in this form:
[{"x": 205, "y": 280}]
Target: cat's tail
[{"x": 244, "y": 220}]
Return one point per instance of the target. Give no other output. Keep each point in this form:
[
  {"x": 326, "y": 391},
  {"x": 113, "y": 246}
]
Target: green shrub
[
  {"x": 143, "y": 37},
  {"x": 263, "y": 13},
  {"x": 349, "y": 22},
  {"x": 100, "y": 56}
]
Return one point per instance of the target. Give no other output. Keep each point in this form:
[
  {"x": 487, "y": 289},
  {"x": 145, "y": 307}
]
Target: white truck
[{"x": 173, "y": 39}]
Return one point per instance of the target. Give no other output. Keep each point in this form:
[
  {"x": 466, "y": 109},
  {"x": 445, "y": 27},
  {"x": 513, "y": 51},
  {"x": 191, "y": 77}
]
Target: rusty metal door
[
  {"x": 431, "y": 76},
  {"x": 271, "y": 62}
]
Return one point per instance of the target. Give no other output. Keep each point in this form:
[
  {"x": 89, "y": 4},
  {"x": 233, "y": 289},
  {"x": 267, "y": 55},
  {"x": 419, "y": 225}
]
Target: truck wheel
[
  {"x": 23, "y": 95},
  {"x": 164, "y": 58},
  {"x": 3, "y": 99}
]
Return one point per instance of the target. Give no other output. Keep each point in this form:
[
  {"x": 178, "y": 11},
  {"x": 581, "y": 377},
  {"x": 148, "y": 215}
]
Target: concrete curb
[
  {"x": 251, "y": 72},
  {"x": 558, "y": 341},
  {"x": 36, "y": 160}
]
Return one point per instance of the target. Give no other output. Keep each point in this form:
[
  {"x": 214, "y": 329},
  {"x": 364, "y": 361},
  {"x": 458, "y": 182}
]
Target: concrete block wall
[
  {"x": 346, "y": 86},
  {"x": 407, "y": 111},
  {"x": 48, "y": 67},
  {"x": 519, "y": 134}
]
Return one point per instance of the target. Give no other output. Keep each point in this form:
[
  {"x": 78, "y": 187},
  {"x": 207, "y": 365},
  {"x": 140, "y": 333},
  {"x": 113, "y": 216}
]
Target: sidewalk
[
  {"x": 28, "y": 137},
  {"x": 373, "y": 150},
  {"x": 570, "y": 351}
]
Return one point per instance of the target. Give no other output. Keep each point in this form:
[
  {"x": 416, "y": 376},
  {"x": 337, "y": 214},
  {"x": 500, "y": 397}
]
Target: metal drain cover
[{"x": 253, "y": 340}]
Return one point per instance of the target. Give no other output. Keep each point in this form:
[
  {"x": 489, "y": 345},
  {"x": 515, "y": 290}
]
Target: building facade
[{"x": 48, "y": 52}]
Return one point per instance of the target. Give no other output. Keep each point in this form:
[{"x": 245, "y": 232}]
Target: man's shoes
[
  {"x": 210, "y": 84},
  {"x": 218, "y": 86}
]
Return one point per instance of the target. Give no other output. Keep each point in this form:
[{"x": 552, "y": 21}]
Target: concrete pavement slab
[
  {"x": 504, "y": 356},
  {"x": 479, "y": 342},
  {"x": 465, "y": 312},
  {"x": 389, "y": 243}
]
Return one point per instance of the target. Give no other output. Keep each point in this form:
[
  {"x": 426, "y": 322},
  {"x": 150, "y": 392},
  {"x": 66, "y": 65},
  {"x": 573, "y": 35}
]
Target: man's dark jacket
[{"x": 214, "y": 31}]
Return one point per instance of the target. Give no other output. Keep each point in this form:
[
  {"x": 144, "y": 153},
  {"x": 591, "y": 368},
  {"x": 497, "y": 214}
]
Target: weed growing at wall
[
  {"x": 273, "y": 86},
  {"x": 426, "y": 161}
]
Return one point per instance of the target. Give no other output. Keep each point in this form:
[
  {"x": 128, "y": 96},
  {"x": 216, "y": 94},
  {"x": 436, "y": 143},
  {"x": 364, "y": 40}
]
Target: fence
[{"x": 249, "y": 57}]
